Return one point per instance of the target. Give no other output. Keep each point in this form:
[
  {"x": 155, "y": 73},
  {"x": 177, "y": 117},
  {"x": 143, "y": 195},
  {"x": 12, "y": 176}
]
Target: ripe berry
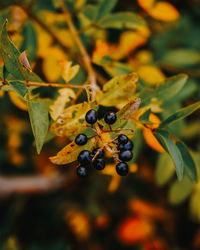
[
  {"x": 81, "y": 139},
  {"x": 100, "y": 155},
  {"x": 122, "y": 168},
  {"x": 125, "y": 155},
  {"x": 123, "y": 139},
  {"x": 85, "y": 157},
  {"x": 99, "y": 164},
  {"x": 127, "y": 146},
  {"x": 110, "y": 118},
  {"x": 91, "y": 116},
  {"x": 81, "y": 171}
]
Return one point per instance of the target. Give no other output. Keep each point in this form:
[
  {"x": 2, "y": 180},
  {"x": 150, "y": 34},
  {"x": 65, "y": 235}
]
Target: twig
[
  {"x": 56, "y": 85},
  {"x": 79, "y": 44}
]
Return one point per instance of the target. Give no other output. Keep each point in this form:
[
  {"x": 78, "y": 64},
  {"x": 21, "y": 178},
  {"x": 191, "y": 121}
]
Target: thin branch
[
  {"x": 56, "y": 85},
  {"x": 79, "y": 44},
  {"x": 33, "y": 184}
]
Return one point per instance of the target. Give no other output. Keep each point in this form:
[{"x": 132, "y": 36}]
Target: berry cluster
[{"x": 86, "y": 158}]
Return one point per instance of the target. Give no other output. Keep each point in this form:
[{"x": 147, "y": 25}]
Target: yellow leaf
[
  {"x": 163, "y": 11},
  {"x": 70, "y": 153},
  {"x": 65, "y": 95},
  {"x": 17, "y": 100},
  {"x": 71, "y": 121},
  {"x": 151, "y": 74},
  {"x": 69, "y": 71},
  {"x": 1, "y": 93},
  {"x": 118, "y": 90},
  {"x": 51, "y": 64}
]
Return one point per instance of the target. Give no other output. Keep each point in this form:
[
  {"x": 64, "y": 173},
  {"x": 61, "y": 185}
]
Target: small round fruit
[
  {"x": 110, "y": 118},
  {"x": 85, "y": 157},
  {"x": 81, "y": 171},
  {"x": 100, "y": 154},
  {"x": 91, "y": 116},
  {"x": 125, "y": 155},
  {"x": 123, "y": 139},
  {"x": 99, "y": 164},
  {"x": 122, "y": 168},
  {"x": 127, "y": 146},
  {"x": 81, "y": 139}
]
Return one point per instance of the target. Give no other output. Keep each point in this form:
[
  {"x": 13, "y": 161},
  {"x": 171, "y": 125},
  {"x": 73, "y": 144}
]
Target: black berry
[
  {"x": 100, "y": 154},
  {"x": 122, "y": 168},
  {"x": 123, "y": 139},
  {"x": 125, "y": 155},
  {"x": 99, "y": 164},
  {"x": 110, "y": 118},
  {"x": 91, "y": 116},
  {"x": 81, "y": 171},
  {"x": 127, "y": 146},
  {"x": 81, "y": 139},
  {"x": 85, "y": 157}
]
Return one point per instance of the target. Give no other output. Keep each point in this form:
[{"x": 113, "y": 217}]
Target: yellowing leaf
[
  {"x": 151, "y": 74},
  {"x": 69, "y": 71},
  {"x": 70, "y": 153},
  {"x": 17, "y": 100},
  {"x": 51, "y": 64},
  {"x": 1, "y": 93},
  {"x": 59, "y": 105},
  {"x": 118, "y": 90},
  {"x": 71, "y": 121},
  {"x": 163, "y": 11}
]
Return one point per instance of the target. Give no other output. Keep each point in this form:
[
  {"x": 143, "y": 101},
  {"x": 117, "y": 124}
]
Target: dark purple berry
[
  {"x": 81, "y": 171},
  {"x": 91, "y": 116},
  {"x": 122, "y": 168},
  {"x": 127, "y": 146},
  {"x": 81, "y": 139},
  {"x": 125, "y": 155},
  {"x": 110, "y": 118},
  {"x": 123, "y": 139},
  {"x": 99, "y": 164},
  {"x": 85, "y": 157},
  {"x": 100, "y": 154}
]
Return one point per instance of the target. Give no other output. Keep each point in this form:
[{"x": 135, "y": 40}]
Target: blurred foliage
[{"x": 146, "y": 58}]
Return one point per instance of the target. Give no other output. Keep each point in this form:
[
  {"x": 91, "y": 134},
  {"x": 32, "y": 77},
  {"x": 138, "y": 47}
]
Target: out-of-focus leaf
[
  {"x": 29, "y": 43},
  {"x": 17, "y": 100},
  {"x": 121, "y": 20},
  {"x": 71, "y": 121},
  {"x": 69, "y": 71},
  {"x": 70, "y": 153},
  {"x": 179, "y": 191},
  {"x": 164, "y": 169},
  {"x": 180, "y": 114},
  {"x": 163, "y": 137},
  {"x": 106, "y": 7},
  {"x": 195, "y": 204},
  {"x": 151, "y": 74},
  {"x": 145, "y": 117},
  {"x": 65, "y": 95},
  {"x": 38, "y": 113},
  {"x": 189, "y": 164},
  {"x": 10, "y": 56},
  {"x": 181, "y": 57},
  {"x": 118, "y": 90}
]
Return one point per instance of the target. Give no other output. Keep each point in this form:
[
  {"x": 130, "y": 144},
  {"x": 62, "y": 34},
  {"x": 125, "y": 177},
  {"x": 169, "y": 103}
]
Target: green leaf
[
  {"x": 171, "y": 148},
  {"x": 164, "y": 169},
  {"x": 106, "y": 7},
  {"x": 182, "y": 57},
  {"x": 145, "y": 117},
  {"x": 179, "y": 191},
  {"x": 165, "y": 91},
  {"x": 10, "y": 56},
  {"x": 180, "y": 114},
  {"x": 30, "y": 40},
  {"x": 38, "y": 113},
  {"x": 188, "y": 162},
  {"x": 121, "y": 20}
]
